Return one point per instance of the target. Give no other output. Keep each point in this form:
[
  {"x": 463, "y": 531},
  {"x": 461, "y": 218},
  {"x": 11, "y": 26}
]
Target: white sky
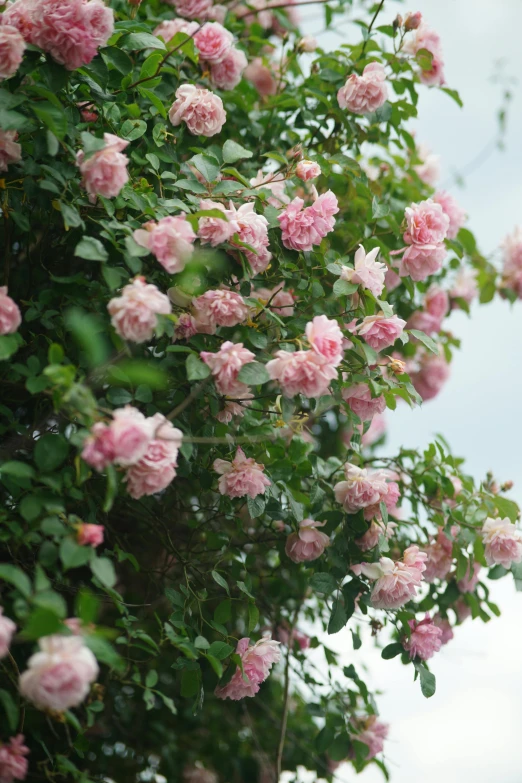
[{"x": 471, "y": 728}]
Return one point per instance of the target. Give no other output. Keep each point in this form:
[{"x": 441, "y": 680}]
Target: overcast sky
[{"x": 471, "y": 728}]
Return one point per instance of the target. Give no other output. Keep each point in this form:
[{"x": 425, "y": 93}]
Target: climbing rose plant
[{"x": 224, "y": 258}]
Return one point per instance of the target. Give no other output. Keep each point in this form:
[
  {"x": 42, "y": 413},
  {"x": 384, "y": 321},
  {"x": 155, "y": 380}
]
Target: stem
[
  {"x": 196, "y": 391},
  {"x": 376, "y": 14},
  {"x": 284, "y": 717}
]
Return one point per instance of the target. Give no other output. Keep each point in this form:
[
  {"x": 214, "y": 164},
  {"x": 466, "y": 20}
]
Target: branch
[{"x": 376, "y": 14}]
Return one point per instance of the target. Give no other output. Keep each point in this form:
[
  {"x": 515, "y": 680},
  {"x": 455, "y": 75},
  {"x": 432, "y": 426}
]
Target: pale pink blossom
[
  {"x": 377, "y": 529},
  {"x": 421, "y": 261},
  {"x": 232, "y": 409},
  {"x": 465, "y": 286},
  {"x": 10, "y": 150},
  {"x": 90, "y": 535},
  {"x": 361, "y": 488},
  {"x": 367, "y": 271},
  {"x": 10, "y": 316},
  {"x": 307, "y": 44},
  {"x": 199, "y": 775},
  {"x": 219, "y": 308},
  {"x": 201, "y": 110},
  {"x": 171, "y": 240},
  {"x": 426, "y": 38},
  {"x": 257, "y": 661},
  {"x": 445, "y": 627},
  {"x": 389, "y": 496},
  {"x": 71, "y": 32},
  {"x": 412, "y": 20},
  {"x": 325, "y": 338},
  {"x": 213, "y": 42},
  {"x": 192, "y": 9},
  {"x": 308, "y": 543},
  {"x": 361, "y": 402},
  {"x": 512, "y": 260},
  {"x": 104, "y": 173},
  {"x": 218, "y": 13},
  {"x": 301, "y": 372},
  {"x": 134, "y": 313},
  {"x": 253, "y": 231},
  {"x": 278, "y": 300},
  {"x": 13, "y": 762},
  {"x": 215, "y": 231},
  {"x": 275, "y": 183},
  {"x": 292, "y": 637},
  {"x": 302, "y": 228},
  {"x": 186, "y": 327},
  {"x": 226, "y": 74},
  {"x": 469, "y": 582},
  {"x": 427, "y": 223},
  {"x": 372, "y": 733},
  {"x": 439, "y": 557},
  {"x": 157, "y": 468},
  {"x": 19, "y": 14},
  {"x": 462, "y": 609},
  {"x": 225, "y": 366},
  {"x": 428, "y": 170},
  {"x": 364, "y": 94},
  {"x": 171, "y": 27},
  {"x": 241, "y": 477},
  {"x": 123, "y": 442},
  {"x": 436, "y": 307},
  {"x": 425, "y": 639},
  {"x": 395, "y": 582},
  {"x": 381, "y": 331},
  {"x": 502, "y": 542},
  {"x": 261, "y": 77},
  {"x": 431, "y": 376},
  {"x": 307, "y": 169},
  {"x": 7, "y": 630},
  {"x": 375, "y": 431},
  {"x": 60, "y": 675},
  {"x": 12, "y": 48},
  {"x": 453, "y": 210}
]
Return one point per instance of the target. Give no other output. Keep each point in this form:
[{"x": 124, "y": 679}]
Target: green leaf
[
  {"x": 338, "y": 618},
  {"x": 323, "y": 582},
  {"x": 216, "y": 576},
  {"x": 156, "y": 102},
  {"x": 507, "y": 508},
  {"x": 233, "y": 151},
  {"x": 256, "y": 506},
  {"x": 324, "y": 739},
  {"x": 17, "y": 469},
  {"x": 207, "y": 166},
  {"x": 151, "y": 65},
  {"x": 253, "y": 374},
  {"x": 136, "y": 41},
  {"x": 427, "y": 680},
  {"x": 453, "y": 94},
  {"x": 151, "y": 679},
  {"x": 133, "y": 129},
  {"x": 52, "y": 601},
  {"x": 340, "y": 747},
  {"x": 50, "y": 452},
  {"x": 379, "y": 209},
  {"x": 41, "y": 622},
  {"x": 16, "y": 577},
  {"x": 392, "y": 650},
  {"x": 253, "y": 617},
  {"x": 103, "y": 570},
  {"x": 223, "y": 611},
  {"x": 52, "y": 116},
  {"x": 216, "y": 665},
  {"x": 91, "y": 249},
  {"x": 220, "y": 650},
  {"x": 344, "y": 288},
  {"x": 11, "y": 709},
  {"x": 190, "y": 679},
  {"x": 244, "y": 589},
  {"x": 196, "y": 369},
  {"x": 116, "y": 57},
  {"x": 430, "y": 344},
  {"x": 72, "y": 554},
  {"x": 9, "y": 344}
]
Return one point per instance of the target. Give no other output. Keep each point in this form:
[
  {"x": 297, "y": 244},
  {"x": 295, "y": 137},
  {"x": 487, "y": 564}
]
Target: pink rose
[
  {"x": 232, "y": 409},
  {"x": 105, "y": 171},
  {"x": 292, "y": 637},
  {"x": 372, "y": 733},
  {"x": 425, "y": 639},
  {"x": 391, "y": 280},
  {"x": 257, "y": 660},
  {"x": 367, "y": 271},
  {"x": 220, "y": 308},
  {"x": 380, "y": 331},
  {"x": 192, "y": 9},
  {"x": 225, "y": 366},
  {"x": 157, "y": 468},
  {"x": 377, "y": 529},
  {"x": 275, "y": 184},
  {"x": 12, "y": 48},
  {"x": 325, "y": 338},
  {"x": 71, "y": 32},
  {"x": 428, "y": 170},
  {"x": 241, "y": 477},
  {"x": 213, "y": 42},
  {"x": 361, "y": 488},
  {"x": 307, "y": 44},
  {"x": 10, "y": 150},
  {"x": 454, "y": 212},
  {"x": 420, "y": 261},
  {"x": 439, "y": 557},
  {"x": 307, "y": 170},
  {"x": 389, "y": 497},
  {"x": 59, "y": 676},
  {"x": 426, "y": 38},
  {"x": 216, "y": 231},
  {"x": 19, "y": 15},
  {"x": 361, "y": 402},
  {"x": 469, "y": 581},
  {"x": 7, "y": 630},
  {"x": 186, "y": 327},
  {"x": 123, "y": 442},
  {"x": 308, "y": 543},
  {"x": 199, "y": 109},
  {"x": 412, "y": 20},
  {"x": 464, "y": 286},
  {"x": 10, "y": 316},
  {"x": 395, "y": 582},
  {"x": 261, "y": 77},
  {"x": 90, "y": 535},
  {"x": 364, "y": 94},
  {"x": 433, "y": 373},
  {"x": 502, "y": 542},
  {"x": 227, "y": 73},
  {"x": 445, "y": 627},
  {"x": 512, "y": 266},
  {"x": 278, "y": 300},
  {"x": 134, "y": 313},
  {"x": 303, "y": 228},
  {"x": 427, "y": 223},
  {"x": 253, "y": 231},
  {"x": 436, "y": 307},
  {"x": 170, "y": 240},
  {"x": 301, "y": 372},
  {"x": 13, "y": 762},
  {"x": 171, "y": 27}
]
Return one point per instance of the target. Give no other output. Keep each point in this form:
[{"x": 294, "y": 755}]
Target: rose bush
[{"x": 223, "y": 257}]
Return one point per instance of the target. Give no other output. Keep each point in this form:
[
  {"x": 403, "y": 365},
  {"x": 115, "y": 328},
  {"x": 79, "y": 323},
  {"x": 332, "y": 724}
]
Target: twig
[
  {"x": 376, "y": 14},
  {"x": 196, "y": 391}
]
